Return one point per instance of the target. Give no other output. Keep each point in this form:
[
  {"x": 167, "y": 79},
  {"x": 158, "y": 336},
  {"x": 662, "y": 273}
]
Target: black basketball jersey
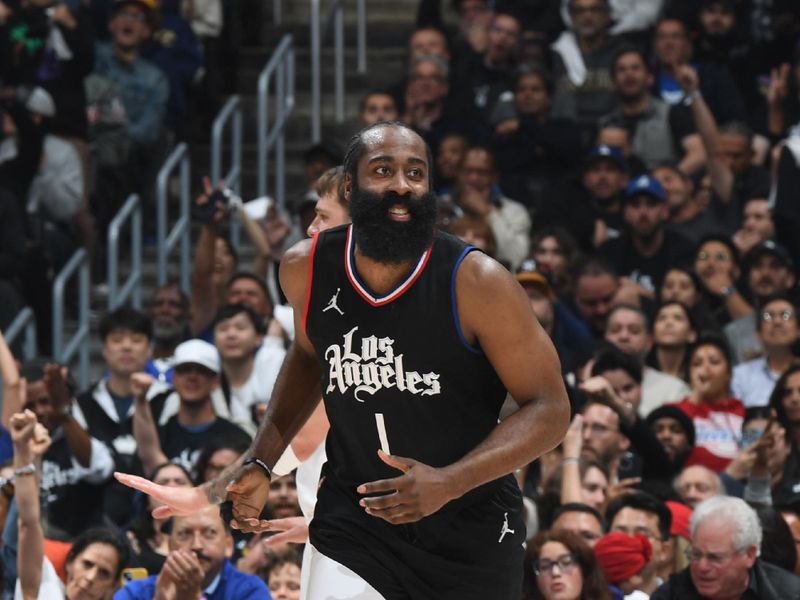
[{"x": 399, "y": 375}]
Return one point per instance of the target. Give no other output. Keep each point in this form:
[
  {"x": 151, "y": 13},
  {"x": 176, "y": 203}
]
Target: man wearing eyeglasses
[
  {"x": 723, "y": 558},
  {"x": 642, "y": 514},
  {"x": 778, "y": 332},
  {"x": 768, "y": 270}
]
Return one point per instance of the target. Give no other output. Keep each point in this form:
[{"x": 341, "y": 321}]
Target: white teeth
[{"x": 398, "y": 211}]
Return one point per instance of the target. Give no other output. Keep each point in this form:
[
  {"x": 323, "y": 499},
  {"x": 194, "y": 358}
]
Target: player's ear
[{"x": 348, "y": 186}]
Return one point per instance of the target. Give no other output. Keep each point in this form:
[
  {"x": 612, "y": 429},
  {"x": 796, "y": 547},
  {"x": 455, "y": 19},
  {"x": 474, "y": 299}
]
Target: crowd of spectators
[
  {"x": 93, "y": 95},
  {"x": 633, "y": 163}
]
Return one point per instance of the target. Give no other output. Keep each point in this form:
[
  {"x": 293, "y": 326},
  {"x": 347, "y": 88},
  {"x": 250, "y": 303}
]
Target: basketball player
[{"x": 415, "y": 499}]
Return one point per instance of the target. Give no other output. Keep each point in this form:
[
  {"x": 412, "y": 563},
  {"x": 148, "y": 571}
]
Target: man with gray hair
[
  {"x": 723, "y": 558},
  {"x": 430, "y": 109}
]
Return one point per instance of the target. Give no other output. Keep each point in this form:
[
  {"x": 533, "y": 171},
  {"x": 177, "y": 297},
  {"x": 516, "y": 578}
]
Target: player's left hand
[{"x": 420, "y": 491}]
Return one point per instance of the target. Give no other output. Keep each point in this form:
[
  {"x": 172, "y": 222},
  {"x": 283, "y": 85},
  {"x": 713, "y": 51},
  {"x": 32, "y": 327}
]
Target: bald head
[{"x": 698, "y": 483}]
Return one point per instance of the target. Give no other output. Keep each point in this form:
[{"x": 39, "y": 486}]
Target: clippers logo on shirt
[{"x": 376, "y": 367}]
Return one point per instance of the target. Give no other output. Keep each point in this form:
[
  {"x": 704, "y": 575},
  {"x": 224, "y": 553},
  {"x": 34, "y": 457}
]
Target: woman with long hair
[
  {"x": 674, "y": 330},
  {"x": 146, "y": 535},
  {"x": 556, "y": 253},
  {"x": 559, "y": 565}
]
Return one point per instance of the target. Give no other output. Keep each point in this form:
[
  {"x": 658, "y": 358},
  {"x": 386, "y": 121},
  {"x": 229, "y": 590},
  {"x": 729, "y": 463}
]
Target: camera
[{"x": 204, "y": 213}]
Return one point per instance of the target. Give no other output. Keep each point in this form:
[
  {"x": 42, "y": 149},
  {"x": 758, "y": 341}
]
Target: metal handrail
[
  {"x": 230, "y": 113},
  {"x": 132, "y": 288},
  {"x": 167, "y": 241},
  {"x": 24, "y": 323},
  {"x": 280, "y": 68},
  {"x": 336, "y": 19},
  {"x": 79, "y": 342}
]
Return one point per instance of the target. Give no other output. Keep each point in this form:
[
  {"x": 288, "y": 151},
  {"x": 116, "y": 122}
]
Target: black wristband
[{"x": 261, "y": 464}]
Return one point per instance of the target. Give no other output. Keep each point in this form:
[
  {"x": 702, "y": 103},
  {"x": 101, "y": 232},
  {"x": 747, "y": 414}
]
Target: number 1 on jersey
[{"x": 382, "y": 433}]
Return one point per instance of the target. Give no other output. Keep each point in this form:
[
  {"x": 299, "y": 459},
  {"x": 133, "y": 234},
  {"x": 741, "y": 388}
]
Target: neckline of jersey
[{"x": 363, "y": 290}]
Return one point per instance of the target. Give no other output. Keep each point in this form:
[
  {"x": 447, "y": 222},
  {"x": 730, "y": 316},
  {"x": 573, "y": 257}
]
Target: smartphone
[
  {"x": 630, "y": 465},
  {"x": 133, "y": 573}
]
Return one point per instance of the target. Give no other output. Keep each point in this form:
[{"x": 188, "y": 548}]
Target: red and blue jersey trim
[{"x": 364, "y": 291}]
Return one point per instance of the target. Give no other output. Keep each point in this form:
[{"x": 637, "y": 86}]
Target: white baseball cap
[{"x": 197, "y": 352}]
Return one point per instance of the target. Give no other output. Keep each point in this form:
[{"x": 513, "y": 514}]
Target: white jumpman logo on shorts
[
  {"x": 332, "y": 303},
  {"x": 505, "y": 528}
]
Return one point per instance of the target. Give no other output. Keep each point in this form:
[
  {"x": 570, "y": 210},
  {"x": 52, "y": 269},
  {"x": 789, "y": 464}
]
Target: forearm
[
  {"x": 776, "y": 123},
  {"x": 78, "y": 440},
  {"x": 737, "y": 306},
  {"x": 312, "y": 434},
  {"x": 257, "y": 236},
  {"x": 721, "y": 176},
  {"x": 148, "y": 446},
  {"x": 571, "y": 481},
  {"x": 203, "y": 304},
  {"x": 26, "y": 490},
  {"x": 295, "y": 396},
  {"x": 694, "y": 158},
  {"x": 537, "y": 427},
  {"x": 9, "y": 373}
]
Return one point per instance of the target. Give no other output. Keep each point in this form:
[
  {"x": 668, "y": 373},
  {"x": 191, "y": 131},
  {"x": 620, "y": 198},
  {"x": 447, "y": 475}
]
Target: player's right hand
[{"x": 248, "y": 492}]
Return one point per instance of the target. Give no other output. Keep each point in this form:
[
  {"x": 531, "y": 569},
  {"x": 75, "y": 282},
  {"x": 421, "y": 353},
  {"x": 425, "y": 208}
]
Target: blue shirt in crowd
[{"x": 231, "y": 585}]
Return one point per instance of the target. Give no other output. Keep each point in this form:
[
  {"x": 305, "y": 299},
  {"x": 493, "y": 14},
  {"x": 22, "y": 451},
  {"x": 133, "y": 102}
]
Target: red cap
[{"x": 681, "y": 514}]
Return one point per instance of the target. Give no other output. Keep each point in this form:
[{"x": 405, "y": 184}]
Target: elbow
[{"x": 558, "y": 418}]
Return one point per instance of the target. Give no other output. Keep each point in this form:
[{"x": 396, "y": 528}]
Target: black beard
[{"x": 387, "y": 241}]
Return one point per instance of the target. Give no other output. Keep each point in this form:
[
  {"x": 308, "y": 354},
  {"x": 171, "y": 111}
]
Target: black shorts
[{"x": 466, "y": 550}]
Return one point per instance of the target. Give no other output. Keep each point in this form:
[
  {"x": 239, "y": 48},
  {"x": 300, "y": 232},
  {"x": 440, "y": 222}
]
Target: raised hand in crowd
[
  {"x": 571, "y": 485},
  {"x": 777, "y": 92},
  {"x": 31, "y": 440},
  {"x": 55, "y": 379},
  {"x": 599, "y": 389},
  {"x": 145, "y": 432},
  {"x": 778, "y": 88}
]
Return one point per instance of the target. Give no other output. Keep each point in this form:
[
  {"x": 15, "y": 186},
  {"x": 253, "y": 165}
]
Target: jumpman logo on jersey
[
  {"x": 332, "y": 303},
  {"x": 505, "y": 530}
]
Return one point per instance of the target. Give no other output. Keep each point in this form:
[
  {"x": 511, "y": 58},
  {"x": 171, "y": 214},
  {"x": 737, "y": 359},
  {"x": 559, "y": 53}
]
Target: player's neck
[{"x": 380, "y": 277}]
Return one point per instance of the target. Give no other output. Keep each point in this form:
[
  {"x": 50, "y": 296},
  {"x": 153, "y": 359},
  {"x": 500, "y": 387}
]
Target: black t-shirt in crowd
[
  {"x": 648, "y": 271},
  {"x": 182, "y": 444}
]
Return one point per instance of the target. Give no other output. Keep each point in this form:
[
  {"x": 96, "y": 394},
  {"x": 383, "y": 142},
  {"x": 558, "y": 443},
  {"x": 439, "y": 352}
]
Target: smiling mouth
[{"x": 399, "y": 213}]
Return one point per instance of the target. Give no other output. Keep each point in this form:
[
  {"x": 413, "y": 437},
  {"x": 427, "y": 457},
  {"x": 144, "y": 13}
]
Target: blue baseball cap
[
  {"x": 606, "y": 152},
  {"x": 644, "y": 184}
]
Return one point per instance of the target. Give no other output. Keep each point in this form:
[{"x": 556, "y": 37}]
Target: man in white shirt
[{"x": 250, "y": 360}]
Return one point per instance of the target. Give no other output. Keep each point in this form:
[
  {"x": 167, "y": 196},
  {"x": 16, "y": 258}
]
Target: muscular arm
[
  {"x": 297, "y": 388},
  {"x": 504, "y": 326}
]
